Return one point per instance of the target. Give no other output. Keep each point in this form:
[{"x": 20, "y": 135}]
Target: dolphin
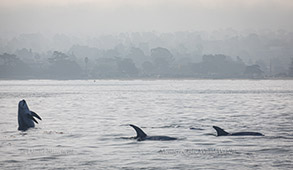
[
  {"x": 26, "y": 117},
  {"x": 143, "y": 136},
  {"x": 222, "y": 132}
]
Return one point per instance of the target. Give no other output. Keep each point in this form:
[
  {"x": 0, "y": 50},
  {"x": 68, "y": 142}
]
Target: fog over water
[{"x": 175, "y": 68}]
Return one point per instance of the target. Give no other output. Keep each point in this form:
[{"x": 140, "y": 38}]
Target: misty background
[{"x": 145, "y": 39}]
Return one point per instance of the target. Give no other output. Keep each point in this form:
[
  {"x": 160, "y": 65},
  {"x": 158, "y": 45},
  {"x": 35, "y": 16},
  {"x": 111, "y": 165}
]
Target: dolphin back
[
  {"x": 142, "y": 136},
  {"x": 247, "y": 134},
  {"x": 222, "y": 132},
  {"x": 161, "y": 138}
]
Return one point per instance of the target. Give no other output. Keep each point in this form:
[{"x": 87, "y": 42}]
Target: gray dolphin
[
  {"x": 143, "y": 136},
  {"x": 222, "y": 132},
  {"x": 26, "y": 117}
]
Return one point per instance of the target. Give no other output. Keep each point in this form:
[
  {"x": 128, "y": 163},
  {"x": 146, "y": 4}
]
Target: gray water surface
[{"x": 85, "y": 122}]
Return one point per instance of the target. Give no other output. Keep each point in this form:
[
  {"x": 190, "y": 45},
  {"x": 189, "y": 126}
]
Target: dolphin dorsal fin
[
  {"x": 139, "y": 132},
  {"x": 220, "y": 131}
]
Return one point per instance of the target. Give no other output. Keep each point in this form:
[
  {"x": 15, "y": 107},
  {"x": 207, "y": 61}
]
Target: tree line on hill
[{"x": 160, "y": 63}]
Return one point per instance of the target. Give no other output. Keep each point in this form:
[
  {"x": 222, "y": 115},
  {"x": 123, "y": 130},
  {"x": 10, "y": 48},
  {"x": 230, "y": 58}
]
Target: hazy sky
[{"x": 94, "y": 17}]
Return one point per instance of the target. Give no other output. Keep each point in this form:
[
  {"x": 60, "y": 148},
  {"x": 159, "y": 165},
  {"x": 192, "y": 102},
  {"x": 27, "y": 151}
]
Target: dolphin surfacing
[
  {"x": 222, "y": 132},
  {"x": 143, "y": 136},
  {"x": 26, "y": 117}
]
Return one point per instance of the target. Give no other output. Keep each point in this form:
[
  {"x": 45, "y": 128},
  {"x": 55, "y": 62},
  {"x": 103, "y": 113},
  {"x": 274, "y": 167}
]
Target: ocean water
[{"x": 85, "y": 124}]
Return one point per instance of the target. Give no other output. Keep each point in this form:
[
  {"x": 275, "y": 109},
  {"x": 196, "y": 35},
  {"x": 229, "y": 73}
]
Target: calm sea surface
[{"x": 85, "y": 124}]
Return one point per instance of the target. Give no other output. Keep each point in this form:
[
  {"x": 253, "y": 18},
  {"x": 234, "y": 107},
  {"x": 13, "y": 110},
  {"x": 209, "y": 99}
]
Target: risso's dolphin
[
  {"x": 26, "y": 117},
  {"x": 222, "y": 132},
  {"x": 143, "y": 136}
]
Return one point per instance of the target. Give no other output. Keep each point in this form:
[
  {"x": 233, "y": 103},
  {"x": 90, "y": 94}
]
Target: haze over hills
[
  {"x": 219, "y": 54},
  {"x": 154, "y": 38}
]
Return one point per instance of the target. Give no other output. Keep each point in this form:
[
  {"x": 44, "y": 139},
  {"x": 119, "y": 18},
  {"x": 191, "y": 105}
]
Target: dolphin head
[
  {"x": 25, "y": 116},
  {"x": 22, "y": 106}
]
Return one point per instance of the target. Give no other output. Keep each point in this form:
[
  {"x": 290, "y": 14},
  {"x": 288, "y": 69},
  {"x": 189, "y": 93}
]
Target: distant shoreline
[{"x": 151, "y": 79}]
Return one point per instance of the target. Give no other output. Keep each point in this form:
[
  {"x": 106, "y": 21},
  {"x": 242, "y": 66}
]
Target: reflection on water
[{"x": 84, "y": 123}]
